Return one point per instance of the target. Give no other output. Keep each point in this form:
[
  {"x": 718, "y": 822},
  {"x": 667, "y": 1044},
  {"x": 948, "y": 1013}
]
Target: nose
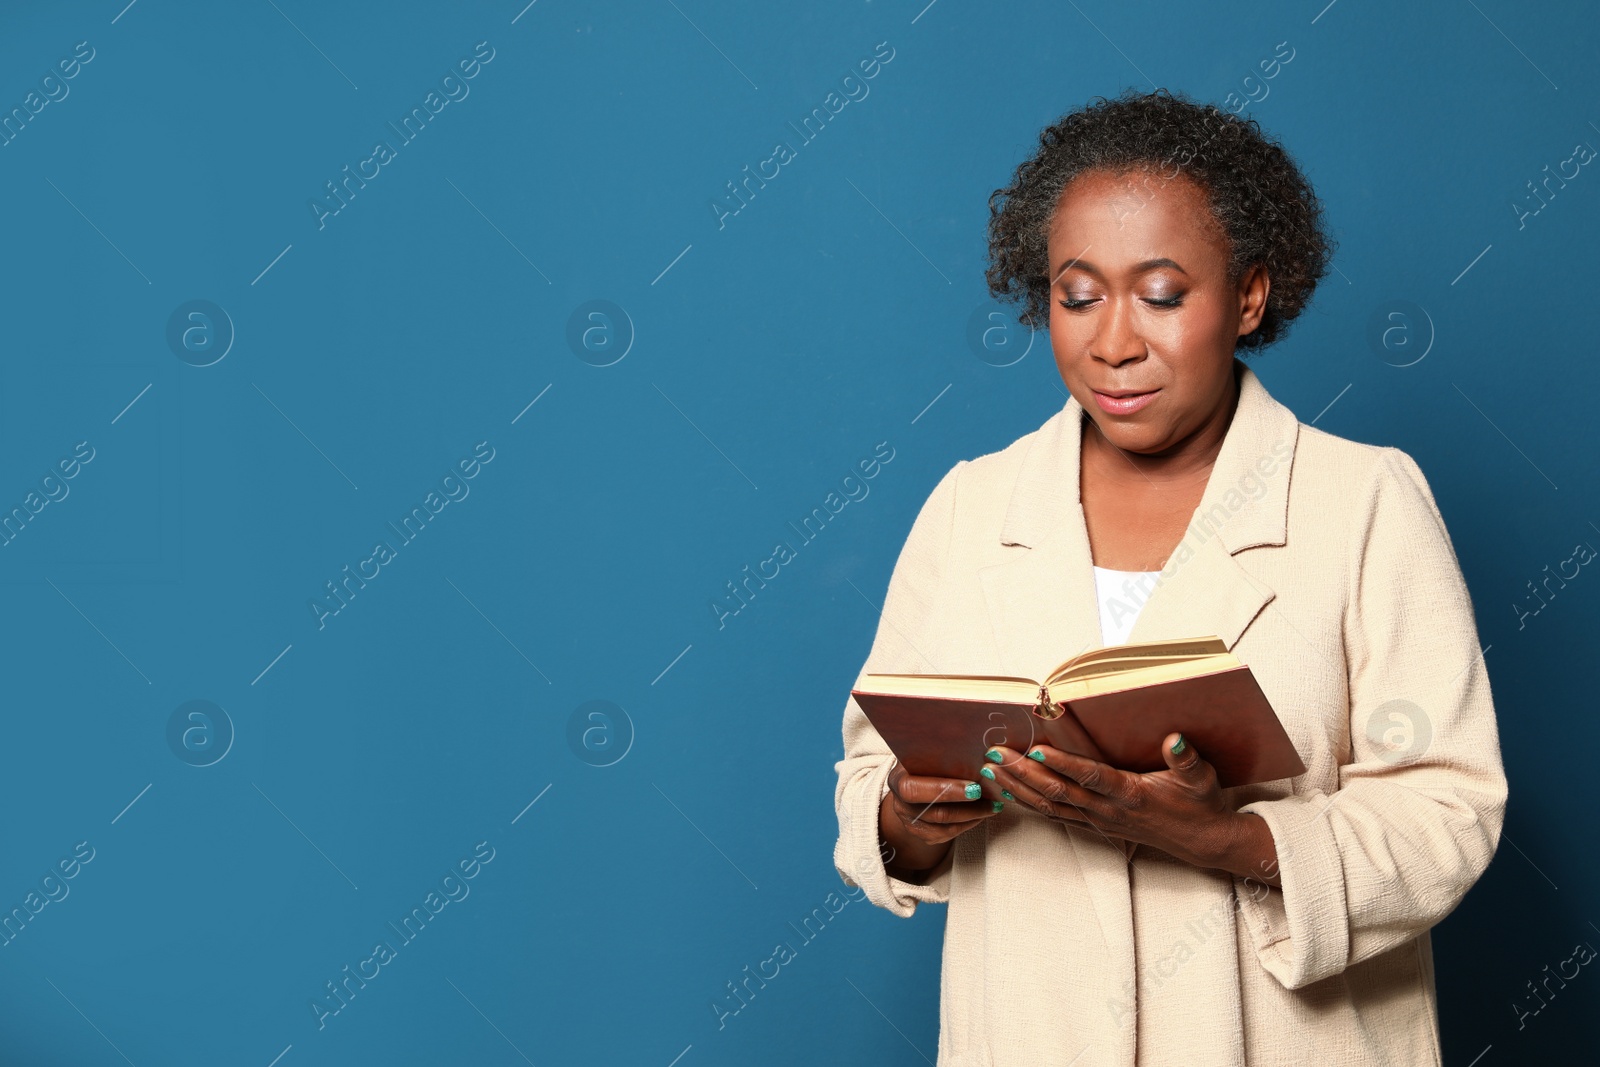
[{"x": 1117, "y": 340}]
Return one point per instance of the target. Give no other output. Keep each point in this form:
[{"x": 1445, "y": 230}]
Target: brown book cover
[{"x": 1112, "y": 718}]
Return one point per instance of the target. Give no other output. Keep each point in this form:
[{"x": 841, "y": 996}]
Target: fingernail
[
  {"x": 999, "y": 804},
  {"x": 993, "y": 756},
  {"x": 1007, "y": 794},
  {"x": 1178, "y": 748},
  {"x": 974, "y": 790},
  {"x": 987, "y": 773},
  {"x": 1036, "y": 755}
]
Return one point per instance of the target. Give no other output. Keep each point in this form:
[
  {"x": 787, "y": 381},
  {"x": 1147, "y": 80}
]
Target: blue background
[{"x": 644, "y": 857}]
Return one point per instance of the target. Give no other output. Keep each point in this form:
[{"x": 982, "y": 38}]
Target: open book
[{"x": 1111, "y": 704}]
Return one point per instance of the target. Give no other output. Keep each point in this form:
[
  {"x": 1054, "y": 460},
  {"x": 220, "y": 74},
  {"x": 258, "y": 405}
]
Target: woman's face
[{"x": 1140, "y": 304}]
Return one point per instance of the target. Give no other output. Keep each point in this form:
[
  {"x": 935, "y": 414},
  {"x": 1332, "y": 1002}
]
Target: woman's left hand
[{"x": 1180, "y": 810}]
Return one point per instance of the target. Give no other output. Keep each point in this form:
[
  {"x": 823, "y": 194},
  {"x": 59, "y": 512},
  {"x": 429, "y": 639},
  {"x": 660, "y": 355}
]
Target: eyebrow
[{"x": 1138, "y": 268}]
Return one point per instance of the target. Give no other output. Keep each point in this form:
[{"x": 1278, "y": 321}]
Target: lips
[{"x": 1123, "y": 401}]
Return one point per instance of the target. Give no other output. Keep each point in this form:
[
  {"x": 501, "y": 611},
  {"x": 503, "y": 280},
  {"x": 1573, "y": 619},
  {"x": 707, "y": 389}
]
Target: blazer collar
[{"x": 1042, "y": 604}]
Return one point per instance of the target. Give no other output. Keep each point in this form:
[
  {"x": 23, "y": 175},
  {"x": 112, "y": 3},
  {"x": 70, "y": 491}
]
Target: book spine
[{"x": 1047, "y": 708}]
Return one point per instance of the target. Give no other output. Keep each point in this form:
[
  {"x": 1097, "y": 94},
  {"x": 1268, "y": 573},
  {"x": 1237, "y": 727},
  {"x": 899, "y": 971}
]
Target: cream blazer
[{"x": 1324, "y": 564}]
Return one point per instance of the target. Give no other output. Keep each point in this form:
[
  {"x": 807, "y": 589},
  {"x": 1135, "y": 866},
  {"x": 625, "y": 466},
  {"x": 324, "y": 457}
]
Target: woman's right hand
[{"x": 920, "y": 816}]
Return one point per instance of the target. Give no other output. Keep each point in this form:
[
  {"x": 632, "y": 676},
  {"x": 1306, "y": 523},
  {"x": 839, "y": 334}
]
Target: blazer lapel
[
  {"x": 1042, "y": 603},
  {"x": 1203, "y": 589}
]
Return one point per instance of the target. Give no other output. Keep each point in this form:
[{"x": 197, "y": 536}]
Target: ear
[{"x": 1253, "y": 290}]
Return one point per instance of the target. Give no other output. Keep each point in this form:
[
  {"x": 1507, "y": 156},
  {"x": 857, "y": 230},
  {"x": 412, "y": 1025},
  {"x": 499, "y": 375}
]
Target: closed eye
[{"x": 1079, "y": 305}]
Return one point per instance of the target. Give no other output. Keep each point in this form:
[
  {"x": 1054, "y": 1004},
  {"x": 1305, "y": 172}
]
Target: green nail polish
[
  {"x": 1036, "y": 755},
  {"x": 993, "y": 756},
  {"x": 999, "y": 804},
  {"x": 974, "y": 790},
  {"x": 987, "y": 773},
  {"x": 1007, "y": 794},
  {"x": 1178, "y": 748}
]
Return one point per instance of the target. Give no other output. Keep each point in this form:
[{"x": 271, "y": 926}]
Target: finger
[
  {"x": 1091, "y": 794},
  {"x": 1003, "y": 756},
  {"x": 937, "y": 833},
  {"x": 1049, "y": 794},
  {"x": 972, "y": 801},
  {"x": 1180, "y": 755},
  {"x": 980, "y": 794},
  {"x": 995, "y": 796},
  {"x": 1061, "y": 798},
  {"x": 1093, "y": 775},
  {"x": 922, "y": 789},
  {"x": 996, "y": 780},
  {"x": 995, "y": 786},
  {"x": 941, "y": 814}
]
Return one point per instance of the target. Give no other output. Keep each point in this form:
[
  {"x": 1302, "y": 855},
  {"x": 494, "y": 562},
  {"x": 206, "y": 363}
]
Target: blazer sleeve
[
  {"x": 910, "y": 609},
  {"x": 1417, "y": 813}
]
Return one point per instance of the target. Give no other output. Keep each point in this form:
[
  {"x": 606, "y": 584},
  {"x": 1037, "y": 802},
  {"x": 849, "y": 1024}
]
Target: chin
[
  {"x": 1135, "y": 443},
  {"x": 1127, "y": 438}
]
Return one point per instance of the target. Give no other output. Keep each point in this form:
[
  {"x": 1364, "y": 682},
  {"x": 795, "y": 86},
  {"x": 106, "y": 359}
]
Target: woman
[{"x": 1102, "y": 917}]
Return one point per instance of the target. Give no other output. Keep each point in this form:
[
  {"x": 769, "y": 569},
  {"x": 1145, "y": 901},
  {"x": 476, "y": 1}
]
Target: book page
[
  {"x": 1145, "y": 653},
  {"x": 1095, "y": 670},
  {"x": 953, "y": 687},
  {"x": 1118, "y": 681}
]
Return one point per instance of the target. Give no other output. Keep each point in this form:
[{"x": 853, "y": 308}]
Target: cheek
[
  {"x": 1190, "y": 326},
  {"x": 1197, "y": 334},
  {"x": 1069, "y": 334},
  {"x": 1067, "y": 351},
  {"x": 1209, "y": 321}
]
